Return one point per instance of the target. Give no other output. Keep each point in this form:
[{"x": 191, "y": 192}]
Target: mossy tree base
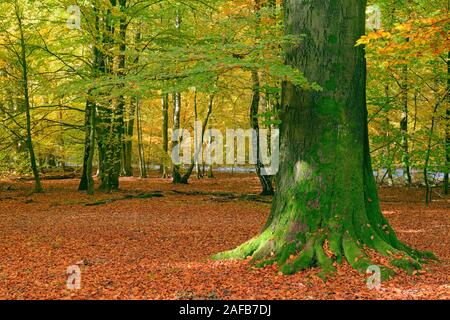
[{"x": 326, "y": 250}]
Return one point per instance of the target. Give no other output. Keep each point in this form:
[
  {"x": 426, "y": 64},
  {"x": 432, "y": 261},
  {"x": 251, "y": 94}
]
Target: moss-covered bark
[{"x": 326, "y": 205}]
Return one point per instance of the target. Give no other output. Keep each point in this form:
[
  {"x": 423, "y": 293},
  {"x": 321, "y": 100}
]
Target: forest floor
[{"x": 159, "y": 247}]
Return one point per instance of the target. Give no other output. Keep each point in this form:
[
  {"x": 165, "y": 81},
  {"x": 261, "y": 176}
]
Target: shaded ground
[{"x": 159, "y": 248}]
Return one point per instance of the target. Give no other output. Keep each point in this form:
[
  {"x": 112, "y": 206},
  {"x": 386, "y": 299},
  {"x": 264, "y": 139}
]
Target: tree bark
[
  {"x": 128, "y": 141},
  {"x": 129, "y": 126},
  {"x": 447, "y": 126},
  {"x": 165, "y": 133},
  {"x": 404, "y": 130},
  {"x": 89, "y": 143},
  {"x": 388, "y": 155},
  {"x": 429, "y": 193},
  {"x": 187, "y": 175},
  {"x": 62, "y": 158},
  {"x": 112, "y": 137},
  {"x": 326, "y": 206},
  {"x": 90, "y": 158},
  {"x": 141, "y": 151},
  {"x": 199, "y": 172},
  {"x": 24, "y": 64},
  {"x": 176, "y": 175},
  {"x": 265, "y": 181},
  {"x": 87, "y": 182},
  {"x": 210, "y": 172}
]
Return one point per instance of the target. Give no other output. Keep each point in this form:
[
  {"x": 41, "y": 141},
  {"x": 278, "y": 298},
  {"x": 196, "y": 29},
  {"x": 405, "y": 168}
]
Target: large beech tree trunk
[
  {"x": 113, "y": 125},
  {"x": 326, "y": 206}
]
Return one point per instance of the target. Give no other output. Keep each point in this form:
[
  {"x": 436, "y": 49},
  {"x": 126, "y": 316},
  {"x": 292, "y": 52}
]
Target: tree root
[
  {"x": 126, "y": 197},
  {"x": 311, "y": 251}
]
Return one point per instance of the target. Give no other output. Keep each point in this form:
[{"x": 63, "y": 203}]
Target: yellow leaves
[
  {"x": 237, "y": 7},
  {"x": 413, "y": 39},
  {"x": 372, "y": 36},
  {"x": 403, "y": 27},
  {"x": 417, "y": 31},
  {"x": 362, "y": 41}
]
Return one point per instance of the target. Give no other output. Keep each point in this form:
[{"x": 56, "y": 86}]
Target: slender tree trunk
[
  {"x": 447, "y": 127},
  {"x": 388, "y": 154},
  {"x": 187, "y": 174},
  {"x": 141, "y": 150},
  {"x": 122, "y": 134},
  {"x": 24, "y": 65},
  {"x": 210, "y": 167},
  {"x": 389, "y": 157},
  {"x": 90, "y": 159},
  {"x": 326, "y": 192},
  {"x": 129, "y": 126},
  {"x": 89, "y": 144},
  {"x": 390, "y": 178},
  {"x": 100, "y": 146},
  {"x": 176, "y": 175},
  {"x": 199, "y": 171},
  {"x": 61, "y": 162},
  {"x": 404, "y": 130},
  {"x": 266, "y": 181},
  {"x": 128, "y": 141},
  {"x": 86, "y": 182},
  {"x": 210, "y": 172},
  {"x": 428, "y": 196},
  {"x": 165, "y": 134},
  {"x": 195, "y": 160}
]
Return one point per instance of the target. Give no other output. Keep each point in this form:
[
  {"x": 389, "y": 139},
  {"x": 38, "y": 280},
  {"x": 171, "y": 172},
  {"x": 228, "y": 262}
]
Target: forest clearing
[{"x": 160, "y": 248}]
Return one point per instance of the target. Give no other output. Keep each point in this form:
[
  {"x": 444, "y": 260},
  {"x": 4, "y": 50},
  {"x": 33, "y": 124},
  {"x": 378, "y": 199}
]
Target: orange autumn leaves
[
  {"x": 415, "y": 38},
  {"x": 160, "y": 248}
]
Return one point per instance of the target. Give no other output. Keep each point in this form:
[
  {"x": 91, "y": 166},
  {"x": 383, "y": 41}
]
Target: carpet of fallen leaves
[{"x": 159, "y": 248}]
